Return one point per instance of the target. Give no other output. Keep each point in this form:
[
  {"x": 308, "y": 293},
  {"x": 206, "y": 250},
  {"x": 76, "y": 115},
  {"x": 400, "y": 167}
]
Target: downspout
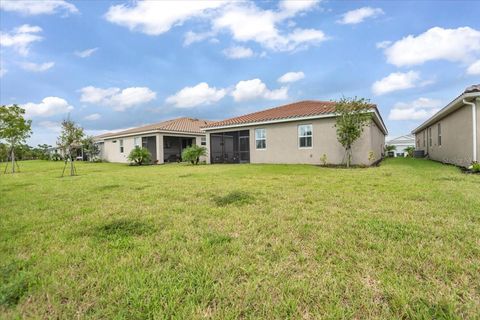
[{"x": 474, "y": 122}]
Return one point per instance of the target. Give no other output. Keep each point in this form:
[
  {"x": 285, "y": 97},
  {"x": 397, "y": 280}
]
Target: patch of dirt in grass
[
  {"x": 234, "y": 198},
  {"x": 14, "y": 282}
]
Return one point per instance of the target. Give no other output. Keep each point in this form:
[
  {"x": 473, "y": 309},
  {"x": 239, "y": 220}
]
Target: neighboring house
[
  {"x": 452, "y": 135},
  {"x": 401, "y": 143},
  {"x": 165, "y": 140},
  {"x": 301, "y": 132}
]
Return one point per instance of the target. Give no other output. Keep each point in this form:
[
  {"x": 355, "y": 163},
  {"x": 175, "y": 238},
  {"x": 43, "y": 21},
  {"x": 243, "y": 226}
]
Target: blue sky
[{"x": 112, "y": 65}]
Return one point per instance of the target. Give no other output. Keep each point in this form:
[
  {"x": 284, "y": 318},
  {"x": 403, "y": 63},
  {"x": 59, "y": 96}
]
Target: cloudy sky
[{"x": 113, "y": 65}]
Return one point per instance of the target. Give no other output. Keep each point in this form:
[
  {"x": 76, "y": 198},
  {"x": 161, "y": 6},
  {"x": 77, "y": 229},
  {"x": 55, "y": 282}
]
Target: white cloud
[
  {"x": 3, "y": 71},
  {"x": 48, "y": 107},
  {"x": 51, "y": 126},
  {"x": 157, "y": 17},
  {"x": 244, "y": 20},
  {"x": 118, "y": 99},
  {"x": 256, "y": 89},
  {"x": 456, "y": 45},
  {"x": 474, "y": 68},
  {"x": 20, "y": 38},
  {"x": 37, "y": 67},
  {"x": 36, "y": 7},
  {"x": 238, "y": 52},
  {"x": 290, "y": 8},
  {"x": 93, "y": 117},
  {"x": 359, "y": 15},
  {"x": 383, "y": 44},
  {"x": 419, "y": 109},
  {"x": 85, "y": 53},
  {"x": 200, "y": 94},
  {"x": 291, "y": 77},
  {"x": 396, "y": 81}
]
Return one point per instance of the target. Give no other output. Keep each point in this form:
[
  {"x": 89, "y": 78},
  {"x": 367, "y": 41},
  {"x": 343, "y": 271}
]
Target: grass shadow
[
  {"x": 234, "y": 198},
  {"x": 122, "y": 228},
  {"x": 14, "y": 282},
  {"x": 108, "y": 187}
]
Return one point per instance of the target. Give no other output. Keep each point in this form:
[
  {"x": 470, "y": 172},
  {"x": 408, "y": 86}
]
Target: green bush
[
  {"x": 409, "y": 151},
  {"x": 56, "y": 157},
  {"x": 193, "y": 154},
  {"x": 475, "y": 167},
  {"x": 139, "y": 156}
]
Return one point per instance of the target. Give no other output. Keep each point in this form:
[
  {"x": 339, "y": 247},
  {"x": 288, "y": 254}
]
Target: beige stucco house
[
  {"x": 452, "y": 135},
  {"x": 303, "y": 132},
  {"x": 165, "y": 140}
]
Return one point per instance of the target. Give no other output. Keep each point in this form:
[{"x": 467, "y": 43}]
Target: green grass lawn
[{"x": 401, "y": 240}]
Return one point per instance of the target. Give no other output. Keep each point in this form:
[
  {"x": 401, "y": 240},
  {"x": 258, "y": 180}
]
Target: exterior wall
[
  {"x": 112, "y": 150},
  {"x": 282, "y": 143},
  {"x": 457, "y": 138}
]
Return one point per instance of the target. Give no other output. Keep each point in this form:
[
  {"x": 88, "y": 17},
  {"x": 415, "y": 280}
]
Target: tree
[
  {"x": 14, "y": 129},
  {"x": 3, "y": 152},
  {"x": 353, "y": 115},
  {"x": 69, "y": 140},
  {"x": 390, "y": 148},
  {"x": 409, "y": 150},
  {"x": 43, "y": 151},
  {"x": 193, "y": 153},
  {"x": 139, "y": 155},
  {"x": 90, "y": 148}
]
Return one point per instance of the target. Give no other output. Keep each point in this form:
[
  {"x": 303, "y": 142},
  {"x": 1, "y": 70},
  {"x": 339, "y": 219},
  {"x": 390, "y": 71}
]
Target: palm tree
[{"x": 409, "y": 151}]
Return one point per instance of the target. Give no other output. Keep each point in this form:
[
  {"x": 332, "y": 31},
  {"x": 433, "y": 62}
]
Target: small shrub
[
  {"x": 409, "y": 151},
  {"x": 475, "y": 167},
  {"x": 324, "y": 160},
  {"x": 139, "y": 156},
  {"x": 193, "y": 153},
  {"x": 56, "y": 157}
]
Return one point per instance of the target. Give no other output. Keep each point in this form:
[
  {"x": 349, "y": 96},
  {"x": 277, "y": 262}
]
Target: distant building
[{"x": 401, "y": 143}]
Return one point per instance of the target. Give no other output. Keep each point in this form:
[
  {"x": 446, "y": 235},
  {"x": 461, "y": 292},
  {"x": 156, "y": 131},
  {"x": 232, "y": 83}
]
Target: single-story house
[
  {"x": 452, "y": 135},
  {"x": 302, "y": 132},
  {"x": 165, "y": 140},
  {"x": 401, "y": 143}
]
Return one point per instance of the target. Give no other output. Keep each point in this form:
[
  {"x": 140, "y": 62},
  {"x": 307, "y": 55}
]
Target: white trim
[
  {"x": 144, "y": 133},
  {"x": 255, "y": 138},
  {"x": 310, "y": 136},
  {"x": 474, "y": 124},
  {"x": 328, "y": 115}
]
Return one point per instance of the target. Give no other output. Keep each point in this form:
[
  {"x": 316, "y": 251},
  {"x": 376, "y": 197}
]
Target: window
[
  {"x": 121, "y": 145},
  {"x": 203, "y": 141},
  {"x": 305, "y": 135},
  {"x": 439, "y": 128},
  {"x": 137, "y": 141},
  {"x": 430, "y": 136},
  {"x": 423, "y": 137},
  {"x": 260, "y": 138}
]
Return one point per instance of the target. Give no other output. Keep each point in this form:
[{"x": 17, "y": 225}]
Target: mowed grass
[{"x": 401, "y": 240}]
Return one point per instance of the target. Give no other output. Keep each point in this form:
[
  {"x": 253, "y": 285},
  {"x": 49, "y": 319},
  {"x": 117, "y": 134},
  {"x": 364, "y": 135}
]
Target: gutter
[{"x": 474, "y": 123}]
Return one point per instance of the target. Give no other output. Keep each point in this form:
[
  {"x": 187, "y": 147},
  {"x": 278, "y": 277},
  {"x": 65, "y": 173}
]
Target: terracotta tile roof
[
  {"x": 180, "y": 125},
  {"x": 290, "y": 111}
]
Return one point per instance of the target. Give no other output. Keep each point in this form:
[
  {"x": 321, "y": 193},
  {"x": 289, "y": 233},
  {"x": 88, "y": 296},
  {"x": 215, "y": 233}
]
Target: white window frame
[
  {"x": 306, "y": 136},
  {"x": 203, "y": 141},
  {"x": 264, "y": 138},
  {"x": 120, "y": 143}
]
